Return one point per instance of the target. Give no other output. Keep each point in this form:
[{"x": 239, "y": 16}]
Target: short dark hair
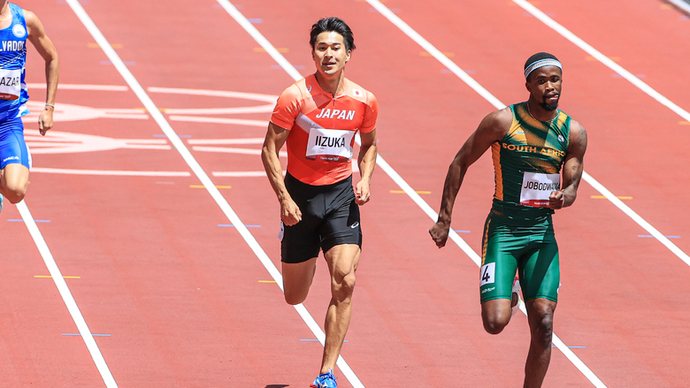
[{"x": 336, "y": 25}]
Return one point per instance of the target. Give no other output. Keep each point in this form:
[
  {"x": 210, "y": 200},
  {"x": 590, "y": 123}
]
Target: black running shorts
[{"x": 330, "y": 217}]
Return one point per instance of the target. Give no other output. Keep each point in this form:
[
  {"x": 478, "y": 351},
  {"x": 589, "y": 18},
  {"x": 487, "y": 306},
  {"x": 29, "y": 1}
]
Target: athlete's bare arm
[
  {"x": 492, "y": 129},
  {"x": 46, "y": 49},
  {"x": 366, "y": 162},
  {"x": 572, "y": 168},
  {"x": 290, "y": 213}
]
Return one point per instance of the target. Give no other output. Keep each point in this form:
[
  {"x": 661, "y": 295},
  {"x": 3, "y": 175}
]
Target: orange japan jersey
[{"x": 322, "y": 128}]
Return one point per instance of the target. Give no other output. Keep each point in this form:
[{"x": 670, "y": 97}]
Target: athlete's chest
[
  {"x": 540, "y": 141},
  {"x": 13, "y": 31},
  {"x": 336, "y": 113}
]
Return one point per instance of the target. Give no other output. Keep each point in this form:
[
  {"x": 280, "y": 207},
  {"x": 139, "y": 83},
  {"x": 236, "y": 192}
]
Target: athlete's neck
[
  {"x": 331, "y": 84},
  {"x": 5, "y": 14},
  {"x": 539, "y": 113}
]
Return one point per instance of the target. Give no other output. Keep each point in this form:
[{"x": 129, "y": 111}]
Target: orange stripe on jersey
[
  {"x": 303, "y": 108},
  {"x": 485, "y": 242},
  {"x": 498, "y": 173}
]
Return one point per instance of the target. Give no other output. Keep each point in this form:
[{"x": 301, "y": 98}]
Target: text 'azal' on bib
[{"x": 10, "y": 84}]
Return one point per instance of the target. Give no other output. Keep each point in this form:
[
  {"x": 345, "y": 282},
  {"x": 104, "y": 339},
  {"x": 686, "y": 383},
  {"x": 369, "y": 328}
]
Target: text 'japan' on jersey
[{"x": 322, "y": 128}]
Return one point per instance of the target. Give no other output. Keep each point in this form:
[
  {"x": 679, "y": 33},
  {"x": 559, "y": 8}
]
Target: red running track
[{"x": 176, "y": 300}]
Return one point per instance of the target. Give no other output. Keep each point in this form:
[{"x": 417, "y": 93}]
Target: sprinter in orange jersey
[
  {"x": 319, "y": 117},
  {"x": 538, "y": 154}
]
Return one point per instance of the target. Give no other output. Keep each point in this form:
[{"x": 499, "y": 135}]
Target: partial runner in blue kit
[{"x": 16, "y": 27}]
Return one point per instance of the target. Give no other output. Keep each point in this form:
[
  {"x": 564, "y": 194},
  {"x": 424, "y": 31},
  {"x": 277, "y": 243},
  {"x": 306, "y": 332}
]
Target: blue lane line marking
[
  {"x": 232, "y": 226},
  {"x": 649, "y": 235},
  {"x": 314, "y": 340},
  {"x": 461, "y": 231},
  {"x": 20, "y": 220},
  {"x": 95, "y": 335}
]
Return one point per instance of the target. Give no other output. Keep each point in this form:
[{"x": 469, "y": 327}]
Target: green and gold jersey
[{"x": 528, "y": 160}]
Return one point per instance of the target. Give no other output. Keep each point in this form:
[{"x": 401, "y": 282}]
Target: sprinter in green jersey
[{"x": 538, "y": 154}]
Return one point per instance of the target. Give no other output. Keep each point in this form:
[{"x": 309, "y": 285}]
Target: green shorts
[{"x": 527, "y": 245}]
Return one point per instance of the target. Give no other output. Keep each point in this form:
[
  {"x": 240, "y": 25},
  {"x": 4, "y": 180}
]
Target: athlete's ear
[
  {"x": 528, "y": 87},
  {"x": 347, "y": 58}
]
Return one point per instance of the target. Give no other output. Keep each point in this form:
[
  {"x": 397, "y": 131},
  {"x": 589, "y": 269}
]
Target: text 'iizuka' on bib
[
  {"x": 10, "y": 84},
  {"x": 330, "y": 144},
  {"x": 537, "y": 187}
]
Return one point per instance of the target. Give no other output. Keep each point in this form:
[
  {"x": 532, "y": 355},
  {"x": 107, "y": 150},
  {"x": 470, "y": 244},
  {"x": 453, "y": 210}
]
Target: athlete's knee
[
  {"x": 495, "y": 325},
  {"x": 343, "y": 284},
  {"x": 15, "y": 194},
  {"x": 294, "y": 297},
  {"x": 541, "y": 324},
  {"x": 495, "y": 317},
  {"x": 542, "y": 333}
]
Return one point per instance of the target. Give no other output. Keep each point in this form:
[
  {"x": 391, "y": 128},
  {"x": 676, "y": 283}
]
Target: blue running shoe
[{"x": 325, "y": 380}]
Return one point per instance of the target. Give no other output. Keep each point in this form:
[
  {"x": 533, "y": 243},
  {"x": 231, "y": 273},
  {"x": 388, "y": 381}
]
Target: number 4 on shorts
[{"x": 488, "y": 274}]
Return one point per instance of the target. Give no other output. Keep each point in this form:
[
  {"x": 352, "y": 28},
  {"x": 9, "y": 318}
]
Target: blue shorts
[{"x": 13, "y": 148}]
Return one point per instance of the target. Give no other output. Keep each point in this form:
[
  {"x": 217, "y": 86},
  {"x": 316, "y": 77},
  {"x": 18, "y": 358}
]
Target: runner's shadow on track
[{"x": 277, "y": 386}]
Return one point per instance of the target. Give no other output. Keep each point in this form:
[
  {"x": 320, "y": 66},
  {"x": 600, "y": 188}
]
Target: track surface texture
[{"x": 174, "y": 292}]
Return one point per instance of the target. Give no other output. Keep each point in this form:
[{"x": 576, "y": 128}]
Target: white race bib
[
  {"x": 537, "y": 187},
  {"x": 330, "y": 144},
  {"x": 10, "y": 84}
]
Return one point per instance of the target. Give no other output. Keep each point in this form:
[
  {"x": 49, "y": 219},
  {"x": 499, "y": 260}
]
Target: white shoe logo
[{"x": 356, "y": 224}]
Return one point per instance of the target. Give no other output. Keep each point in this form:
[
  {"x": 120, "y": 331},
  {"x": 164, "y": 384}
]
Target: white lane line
[
  {"x": 287, "y": 66},
  {"x": 640, "y": 221},
  {"x": 681, "y": 4},
  {"x": 193, "y": 164},
  {"x": 218, "y": 120},
  {"x": 388, "y": 14},
  {"x": 639, "y": 84},
  {"x": 66, "y": 295},
  {"x": 109, "y": 88},
  {"x": 108, "y": 172},
  {"x": 603, "y": 58},
  {"x": 499, "y": 105}
]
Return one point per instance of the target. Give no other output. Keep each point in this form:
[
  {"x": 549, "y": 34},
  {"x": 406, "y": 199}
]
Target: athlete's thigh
[
  {"x": 301, "y": 242},
  {"x": 13, "y": 149},
  {"x": 15, "y": 177},
  {"x": 342, "y": 260},
  {"x": 297, "y": 278},
  {"x": 540, "y": 270},
  {"x": 499, "y": 260},
  {"x": 341, "y": 226}
]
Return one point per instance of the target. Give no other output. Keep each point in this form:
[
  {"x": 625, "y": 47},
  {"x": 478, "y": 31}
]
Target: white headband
[{"x": 541, "y": 63}]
